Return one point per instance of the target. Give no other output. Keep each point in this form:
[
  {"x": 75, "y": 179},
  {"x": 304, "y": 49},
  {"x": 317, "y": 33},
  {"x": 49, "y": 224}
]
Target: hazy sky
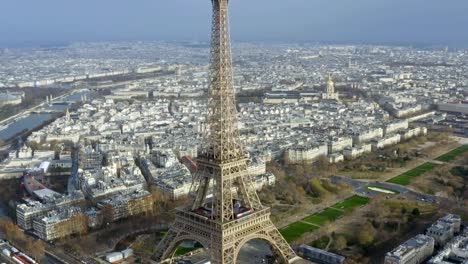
[{"x": 390, "y": 21}]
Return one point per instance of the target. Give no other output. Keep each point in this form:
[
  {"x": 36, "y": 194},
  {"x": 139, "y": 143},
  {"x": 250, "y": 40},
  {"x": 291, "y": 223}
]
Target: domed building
[{"x": 330, "y": 93}]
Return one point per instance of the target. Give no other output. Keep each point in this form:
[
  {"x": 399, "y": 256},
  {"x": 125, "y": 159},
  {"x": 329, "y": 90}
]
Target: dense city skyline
[
  {"x": 363, "y": 21},
  {"x": 332, "y": 132}
]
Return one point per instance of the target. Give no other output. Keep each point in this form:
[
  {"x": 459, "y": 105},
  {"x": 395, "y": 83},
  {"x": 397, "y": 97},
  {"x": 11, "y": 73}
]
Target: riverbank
[{"x": 36, "y": 117}]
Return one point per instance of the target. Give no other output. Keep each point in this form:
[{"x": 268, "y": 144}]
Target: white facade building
[
  {"x": 339, "y": 144},
  {"x": 388, "y": 140},
  {"x": 351, "y": 153},
  {"x": 395, "y": 127},
  {"x": 300, "y": 154},
  {"x": 367, "y": 135},
  {"x": 414, "y": 251}
]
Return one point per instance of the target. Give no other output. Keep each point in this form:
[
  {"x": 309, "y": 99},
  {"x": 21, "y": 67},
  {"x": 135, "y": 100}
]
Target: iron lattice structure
[{"x": 226, "y": 211}]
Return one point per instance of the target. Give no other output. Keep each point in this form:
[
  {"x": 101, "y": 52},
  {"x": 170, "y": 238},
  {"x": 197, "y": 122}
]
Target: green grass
[
  {"x": 453, "y": 154},
  {"x": 183, "y": 250},
  {"x": 383, "y": 188},
  {"x": 351, "y": 203},
  {"x": 326, "y": 216},
  {"x": 295, "y": 230},
  {"x": 407, "y": 177}
]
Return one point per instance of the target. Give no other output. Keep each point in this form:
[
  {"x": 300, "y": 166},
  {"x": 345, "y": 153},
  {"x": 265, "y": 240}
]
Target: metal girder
[{"x": 222, "y": 170}]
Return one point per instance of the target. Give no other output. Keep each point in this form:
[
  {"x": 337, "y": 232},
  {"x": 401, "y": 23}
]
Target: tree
[
  {"x": 365, "y": 238},
  {"x": 326, "y": 183},
  {"x": 267, "y": 196},
  {"x": 332, "y": 169},
  {"x": 12, "y": 231},
  {"x": 299, "y": 171},
  {"x": 317, "y": 188},
  {"x": 300, "y": 177},
  {"x": 366, "y": 234},
  {"x": 37, "y": 250},
  {"x": 308, "y": 169},
  {"x": 276, "y": 169},
  {"x": 403, "y": 210},
  {"x": 300, "y": 193},
  {"x": 340, "y": 242},
  {"x": 322, "y": 163},
  {"x": 14, "y": 234}
]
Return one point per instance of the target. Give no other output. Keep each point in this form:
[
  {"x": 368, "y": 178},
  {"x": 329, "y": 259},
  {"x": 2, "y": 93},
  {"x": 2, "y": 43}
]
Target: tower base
[{"x": 224, "y": 240}]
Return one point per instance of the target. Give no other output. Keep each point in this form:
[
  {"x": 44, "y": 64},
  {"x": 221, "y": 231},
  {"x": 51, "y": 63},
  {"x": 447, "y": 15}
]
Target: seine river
[{"x": 32, "y": 121}]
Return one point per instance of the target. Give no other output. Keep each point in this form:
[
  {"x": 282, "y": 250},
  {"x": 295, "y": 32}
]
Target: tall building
[{"x": 226, "y": 212}]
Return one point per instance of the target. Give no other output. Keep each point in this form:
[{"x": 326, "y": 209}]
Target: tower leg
[
  {"x": 281, "y": 250},
  {"x": 183, "y": 229},
  {"x": 223, "y": 242},
  {"x": 281, "y": 247},
  {"x": 164, "y": 245}
]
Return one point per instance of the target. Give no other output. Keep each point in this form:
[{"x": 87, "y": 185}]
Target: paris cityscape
[{"x": 223, "y": 150}]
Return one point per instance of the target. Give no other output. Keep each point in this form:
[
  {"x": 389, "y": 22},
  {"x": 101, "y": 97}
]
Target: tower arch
[
  {"x": 277, "y": 252},
  {"x": 170, "y": 251}
]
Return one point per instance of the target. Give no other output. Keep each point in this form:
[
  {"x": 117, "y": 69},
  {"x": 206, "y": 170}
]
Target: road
[
  {"x": 360, "y": 189},
  {"x": 51, "y": 259},
  {"x": 55, "y": 255}
]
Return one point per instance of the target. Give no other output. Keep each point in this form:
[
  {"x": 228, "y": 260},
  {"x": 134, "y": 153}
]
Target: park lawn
[
  {"x": 326, "y": 216},
  {"x": 295, "y": 230},
  {"x": 351, "y": 203},
  {"x": 407, "y": 177},
  {"x": 453, "y": 154},
  {"x": 183, "y": 250}
]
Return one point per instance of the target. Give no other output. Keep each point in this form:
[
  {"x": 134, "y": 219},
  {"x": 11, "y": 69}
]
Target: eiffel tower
[{"x": 226, "y": 212}]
